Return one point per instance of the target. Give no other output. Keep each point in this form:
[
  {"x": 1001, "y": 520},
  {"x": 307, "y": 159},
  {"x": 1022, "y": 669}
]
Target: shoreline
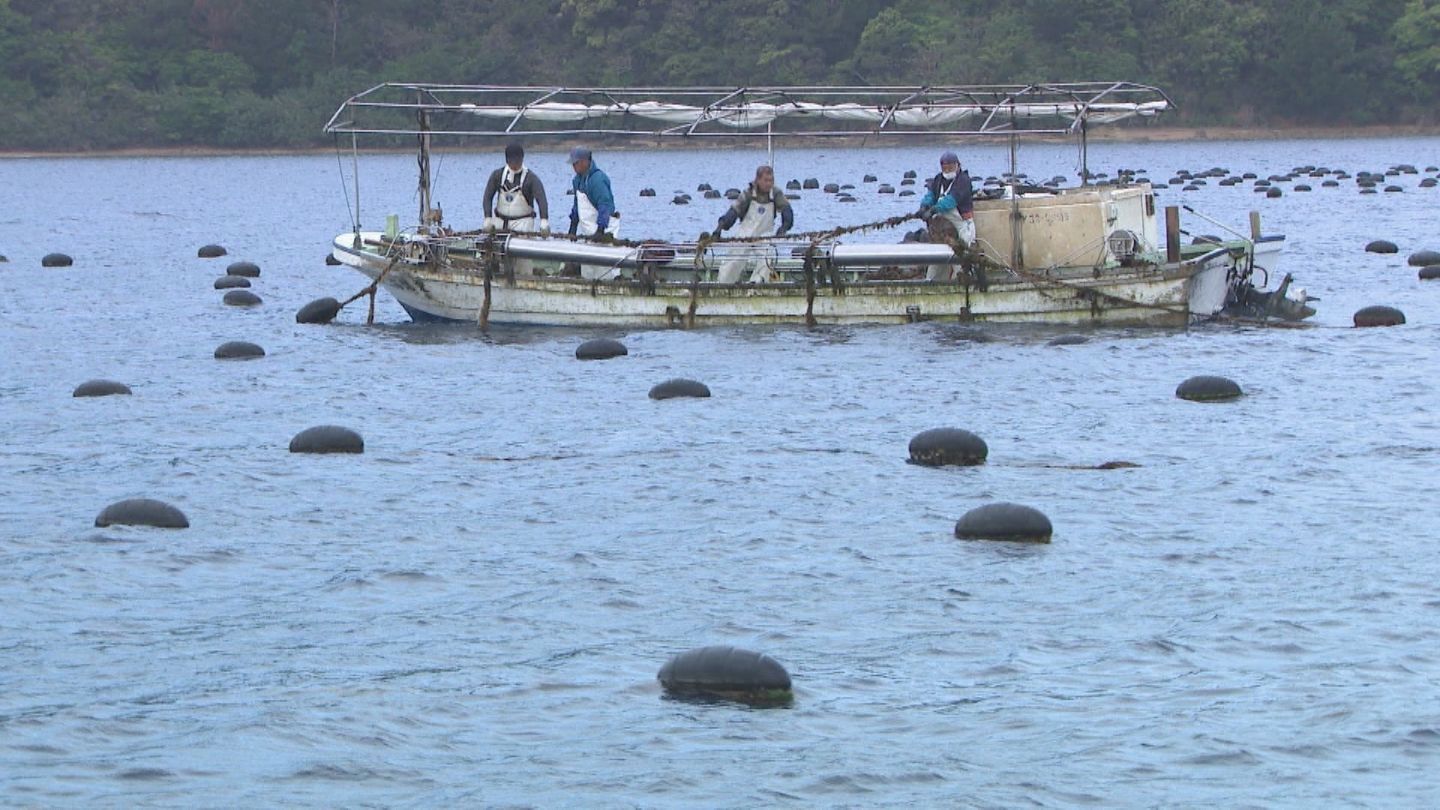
[{"x": 1199, "y": 134}]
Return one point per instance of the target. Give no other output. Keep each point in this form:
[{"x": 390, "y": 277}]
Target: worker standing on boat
[
  {"x": 755, "y": 210},
  {"x": 593, "y": 212},
  {"x": 950, "y": 197},
  {"x": 513, "y": 196}
]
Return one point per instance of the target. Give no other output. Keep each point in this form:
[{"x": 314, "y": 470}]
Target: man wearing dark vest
[{"x": 514, "y": 195}]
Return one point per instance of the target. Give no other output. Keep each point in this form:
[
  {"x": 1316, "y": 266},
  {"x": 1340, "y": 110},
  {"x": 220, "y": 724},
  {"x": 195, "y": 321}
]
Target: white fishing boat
[{"x": 1090, "y": 254}]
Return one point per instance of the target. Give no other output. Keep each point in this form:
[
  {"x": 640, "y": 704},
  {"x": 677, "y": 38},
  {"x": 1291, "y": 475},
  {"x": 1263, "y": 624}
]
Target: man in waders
[
  {"x": 755, "y": 210},
  {"x": 513, "y": 196},
  {"x": 593, "y": 213},
  {"x": 949, "y": 202}
]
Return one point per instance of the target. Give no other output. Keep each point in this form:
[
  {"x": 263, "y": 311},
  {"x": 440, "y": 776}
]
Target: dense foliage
[{"x": 78, "y": 74}]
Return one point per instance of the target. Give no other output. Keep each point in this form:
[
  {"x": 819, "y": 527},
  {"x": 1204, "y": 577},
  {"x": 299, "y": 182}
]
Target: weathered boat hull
[{"x": 445, "y": 288}]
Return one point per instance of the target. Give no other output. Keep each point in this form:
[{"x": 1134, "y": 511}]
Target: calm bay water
[{"x": 473, "y": 612}]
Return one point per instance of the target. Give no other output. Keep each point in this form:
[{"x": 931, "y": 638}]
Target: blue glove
[
  {"x": 945, "y": 204},
  {"x": 928, "y": 200}
]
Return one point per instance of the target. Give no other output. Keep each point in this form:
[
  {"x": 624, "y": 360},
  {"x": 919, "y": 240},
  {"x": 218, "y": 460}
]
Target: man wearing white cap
[
  {"x": 950, "y": 196},
  {"x": 593, "y": 212}
]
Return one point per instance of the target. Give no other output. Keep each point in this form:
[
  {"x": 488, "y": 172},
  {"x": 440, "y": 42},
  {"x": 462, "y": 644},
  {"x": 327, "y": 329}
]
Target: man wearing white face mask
[{"x": 950, "y": 196}]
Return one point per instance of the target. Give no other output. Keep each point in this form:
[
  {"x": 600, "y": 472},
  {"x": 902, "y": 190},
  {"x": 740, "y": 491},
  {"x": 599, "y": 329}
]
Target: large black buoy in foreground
[
  {"x": 242, "y": 298},
  {"x": 56, "y": 260},
  {"x": 1379, "y": 315},
  {"x": 238, "y": 350},
  {"x": 600, "y": 349},
  {"x": 1208, "y": 388},
  {"x": 677, "y": 388},
  {"x": 327, "y": 439},
  {"x": 941, "y": 447},
  {"x": 100, "y": 388},
  {"x": 142, "y": 512},
  {"x": 321, "y": 310},
  {"x": 246, "y": 269},
  {"x": 1068, "y": 340},
  {"x": 729, "y": 673},
  {"x": 1423, "y": 258},
  {"x": 1004, "y": 521},
  {"x": 1382, "y": 246},
  {"x": 210, "y": 252},
  {"x": 1430, "y": 273}
]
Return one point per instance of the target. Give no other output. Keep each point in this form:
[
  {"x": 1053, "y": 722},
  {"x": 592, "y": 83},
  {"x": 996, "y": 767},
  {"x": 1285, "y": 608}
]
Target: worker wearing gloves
[
  {"x": 757, "y": 210},
  {"x": 950, "y": 197},
  {"x": 513, "y": 196},
  {"x": 593, "y": 214}
]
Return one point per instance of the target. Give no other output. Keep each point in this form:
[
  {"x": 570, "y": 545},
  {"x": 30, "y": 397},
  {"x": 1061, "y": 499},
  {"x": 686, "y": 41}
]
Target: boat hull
[{"x": 442, "y": 288}]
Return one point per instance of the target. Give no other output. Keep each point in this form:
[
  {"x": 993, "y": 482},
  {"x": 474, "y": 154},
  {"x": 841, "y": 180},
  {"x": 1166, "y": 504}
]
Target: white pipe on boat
[
  {"x": 563, "y": 250},
  {"x": 912, "y": 253}
]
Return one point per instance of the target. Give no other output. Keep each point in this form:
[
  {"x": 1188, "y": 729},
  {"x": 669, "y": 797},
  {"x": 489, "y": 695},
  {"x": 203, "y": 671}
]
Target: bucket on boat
[{"x": 392, "y": 226}]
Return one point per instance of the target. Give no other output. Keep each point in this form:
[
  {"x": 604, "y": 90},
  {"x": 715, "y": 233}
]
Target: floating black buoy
[
  {"x": 238, "y": 350},
  {"x": 1302, "y": 187},
  {"x": 1068, "y": 340},
  {"x": 321, "y": 310},
  {"x": 909, "y": 175},
  {"x": 600, "y": 349},
  {"x": 810, "y": 183},
  {"x": 869, "y": 178},
  {"x": 1273, "y": 192},
  {"x": 1004, "y": 521},
  {"x": 906, "y": 193},
  {"x": 100, "y": 388},
  {"x": 327, "y": 439},
  {"x": 142, "y": 512},
  {"x": 1394, "y": 189},
  {"x": 1382, "y": 246},
  {"x": 1428, "y": 182},
  {"x": 242, "y": 298},
  {"x": 885, "y": 188},
  {"x": 647, "y": 192},
  {"x": 210, "y": 252},
  {"x": 712, "y": 194},
  {"x": 682, "y": 199},
  {"x": 1430, "y": 273},
  {"x": 246, "y": 269},
  {"x": 671, "y": 389},
  {"x": 331, "y": 261},
  {"x": 1116, "y": 465},
  {"x": 703, "y": 187},
  {"x": 792, "y": 185},
  {"x": 942, "y": 447},
  {"x": 56, "y": 260},
  {"x": 1208, "y": 388},
  {"x": 732, "y": 193},
  {"x": 1330, "y": 184},
  {"x": 228, "y": 282},
  {"x": 1368, "y": 191},
  {"x": 1379, "y": 316},
  {"x": 831, "y": 188},
  {"x": 908, "y": 181},
  {"x": 729, "y": 673},
  {"x": 1423, "y": 258}
]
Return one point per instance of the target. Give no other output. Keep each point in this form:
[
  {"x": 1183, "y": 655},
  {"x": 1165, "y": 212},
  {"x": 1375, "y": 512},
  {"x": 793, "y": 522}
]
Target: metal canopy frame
[{"x": 490, "y": 111}]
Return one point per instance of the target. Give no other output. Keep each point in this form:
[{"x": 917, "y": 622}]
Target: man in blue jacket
[
  {"x": 593, "y": 212},
  {"x": 950, "y": 197}
]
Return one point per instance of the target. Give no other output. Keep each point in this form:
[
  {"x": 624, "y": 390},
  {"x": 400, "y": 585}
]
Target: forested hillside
[{"x": 95, "y": 74}]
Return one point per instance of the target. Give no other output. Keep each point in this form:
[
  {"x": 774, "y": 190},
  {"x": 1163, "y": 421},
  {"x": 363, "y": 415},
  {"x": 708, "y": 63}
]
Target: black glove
[
  {"x": 574, "y": 226},
  {"x": 715, "y": 234},
  {"x": 603, "y": 237}
]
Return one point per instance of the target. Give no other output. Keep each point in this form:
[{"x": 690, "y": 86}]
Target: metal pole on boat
[
  {"x": 1254, "y": 226},
  {"x": 355, "y": 169},
  {"x": 1172, "y": 233},
  {"x": 424, "y": 163},
  {"x": 1084, "y": 154},
  {"x": 770, "y": 144}
]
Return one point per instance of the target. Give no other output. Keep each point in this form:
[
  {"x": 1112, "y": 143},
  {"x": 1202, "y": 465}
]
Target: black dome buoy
[
  {"x": 1394, "y": 189},
  {"x": 327, "y": 439},
  {"x": 682, "y": 199},
  {"x": 909, "y": 175},
  {"x": 142, "y": 512},
  {"x": 1273, "y": 192},
  {"x": 228, "y": 282},
  {"x": 1208, "y": 388},
  {"x": 792, "y": 185},
  {"x": 1423, "y": 258},
  {"x": 907, "y": 181},
  {"x": 906, "y": 193},
  {"x": 810, "y": 183},
  {"x": 727, "y": 672},
  {"x": 100, "y": 388},
  {"x": 647, "y": 192},
  {"x": 672, "y": 389},
  {"x": 712, "y": 194},
  {"x": 869, "y": 178},
  {"x": 210, "y": 252},
  {"x": 1068, "y": 340},
  {"x": 600, "y": 349},
  {"x": 241, "y": 298},
  {"x": 321, "y": 310},
  {"x": 942, "y": 447},
  {"x": 704, "y": 187},
  {"x": 238, "y": 350},
  {"x": 885, "y": 188},
  {"x": 1302, "y": 187},
  {"x": 1382, "y": 246},
  {"x": 56, "y": 260},
  {"x": 331, "y": 261},
  {"x": 831, "y": 188},
  {"x": 732, "y": 193},
  {"x": 1379, "y": 316},
  {"x": 1429, "y": 182},
  {"x": 1004, "y": 521},
  {"x": 246, "y": 269},
  {"x": 1430, "y": 273}
]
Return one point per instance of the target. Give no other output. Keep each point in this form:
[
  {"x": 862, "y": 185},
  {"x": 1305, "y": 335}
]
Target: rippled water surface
[{"x": 473, "y": 612}]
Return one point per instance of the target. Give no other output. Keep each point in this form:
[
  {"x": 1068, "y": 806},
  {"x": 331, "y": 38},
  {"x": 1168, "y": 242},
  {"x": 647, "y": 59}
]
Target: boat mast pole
[
  {"x": 424, "y": 164},
  {"x": 1084, "y": 154},
  {"x": 355, "y": 169}
]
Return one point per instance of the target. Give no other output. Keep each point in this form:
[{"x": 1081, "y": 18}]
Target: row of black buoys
[
  {"x": 238, "y": 350},
  {"x": 100, "y": 388},
  {"x": 600, "y": 349},
  {"x": 229, "y": 282},
  {"x": 941, "y": 447},
  {"x": 1208, "y": 388},
  {"x": 680, "y": 388},
  {"x": 321, "y": 310},
  {"x": 1005, "y": 521},
  {"x": 241, "y": 298},
  {"x": 327, "y": 439},
  {"x": 1382, "y": 246},
  {"x": 56, "y": 260},
  {"x": 728, "y": 673},
  {"x": 244, "y": 269},
  {"x": 142, "y": 512},
  {"x": 1423, "y": 258},
  {"x": 210, "y": 251},
  {"x": 1379, "y": 315}
]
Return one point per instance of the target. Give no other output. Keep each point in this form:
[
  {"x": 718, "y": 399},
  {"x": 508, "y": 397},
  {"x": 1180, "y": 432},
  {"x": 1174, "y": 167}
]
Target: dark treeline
[{"x": 97, "y": 74}]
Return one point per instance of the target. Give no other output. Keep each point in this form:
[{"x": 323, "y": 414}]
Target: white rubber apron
[{"x": 759, "y": 220}]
